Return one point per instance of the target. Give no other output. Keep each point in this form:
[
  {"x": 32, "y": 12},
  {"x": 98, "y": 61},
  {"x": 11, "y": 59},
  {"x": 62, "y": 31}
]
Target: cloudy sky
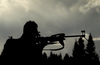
[{"x": 52, "y": 16}]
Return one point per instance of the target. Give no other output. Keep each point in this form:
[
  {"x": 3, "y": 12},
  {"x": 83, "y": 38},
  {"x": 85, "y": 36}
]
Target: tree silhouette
[
  {"x": 76, "y": 50},
  {"x": 91, "y": 56},
  {"x": 44, "y": 59},
  {"x": 66, "y": 59},
  {"x": 79, "y": 51}
]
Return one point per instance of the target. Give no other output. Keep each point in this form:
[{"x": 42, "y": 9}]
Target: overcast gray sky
[{"x": 52, "y": 16}]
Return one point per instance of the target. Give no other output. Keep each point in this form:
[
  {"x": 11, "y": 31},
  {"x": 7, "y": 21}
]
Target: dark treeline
[{"x": 81, "y": 54}]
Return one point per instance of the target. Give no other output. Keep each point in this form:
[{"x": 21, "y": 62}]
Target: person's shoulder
[{"x": 12, "y": 40}]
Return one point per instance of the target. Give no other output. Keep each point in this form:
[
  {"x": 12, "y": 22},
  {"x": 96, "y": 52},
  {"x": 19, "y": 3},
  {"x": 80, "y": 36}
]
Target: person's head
[{"x": 30, "y": 29}]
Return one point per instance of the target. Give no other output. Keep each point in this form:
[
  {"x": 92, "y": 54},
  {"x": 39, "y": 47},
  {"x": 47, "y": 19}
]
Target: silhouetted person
[{"x": 26, "y": 49}]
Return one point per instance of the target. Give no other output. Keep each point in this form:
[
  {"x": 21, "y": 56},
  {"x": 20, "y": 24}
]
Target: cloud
[{"x": 90, "y": 5}]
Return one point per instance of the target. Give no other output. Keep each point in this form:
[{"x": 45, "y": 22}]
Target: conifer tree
[
  {"x": 75, "y": 50},
  {"x": 79, "y": 51},
  {"x": 92, "y": 57},
  {"x": 75, "y": 53},
  {"x": 66, "y": 59},
  {"x": 90, "y": 46},
  {"x": 81, "y": 47},
  {"x": 44, "y": 56}
]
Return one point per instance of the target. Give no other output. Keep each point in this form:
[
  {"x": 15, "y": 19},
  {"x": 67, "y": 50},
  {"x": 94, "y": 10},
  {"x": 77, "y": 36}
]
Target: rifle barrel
[{"x": 76, "y": 36}]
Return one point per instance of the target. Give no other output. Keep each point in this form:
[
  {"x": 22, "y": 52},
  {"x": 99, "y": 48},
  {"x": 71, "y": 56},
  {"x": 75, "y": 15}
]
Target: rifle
[{"x": 60, "y": 37}]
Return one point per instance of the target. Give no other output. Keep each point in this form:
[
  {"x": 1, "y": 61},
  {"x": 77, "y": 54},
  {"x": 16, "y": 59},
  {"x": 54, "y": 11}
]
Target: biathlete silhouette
[{"x": 28, "y": 48}]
